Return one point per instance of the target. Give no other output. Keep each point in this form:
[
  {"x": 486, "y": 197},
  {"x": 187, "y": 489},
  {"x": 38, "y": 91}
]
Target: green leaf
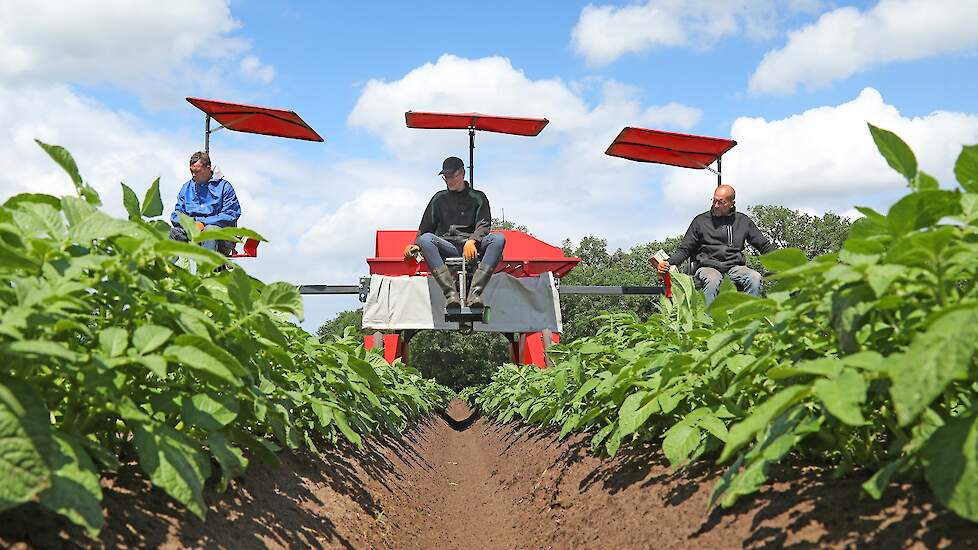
[
  {"x": 633, "y": 414},
  {"x": 40, "y": 347},
  {"x": 155, "y": 363},
  {"x": 935, "y": 358},
  {"x": 680, "y": 441},
  {"x": 744, "y": 431},
  {"x": 966, "y": 168},
  {"x": 63, "y": 158},
  {"x": 210, "y": 412},
  {"x": 99, "y": 226},
  {"x": 75, "y": 491},
  {"x": 204, "y": 363},
  {"x": 113, "y": 341},
  {"x": 173, "y": 462},
  {"x": 189, "y": 225},
  {"x": 344, "y": 426},
  {"x": 843, "y": 396},
  {"x": 150, "y": 337},
  {"x": 131, "y": 202},
  {"x": 282, "y": 297},
  {"x": 922, "y": 209},
  {"x": 152, "y": 204},
  {"x": 236, "y": 234},
  {"x": 784, "y": 259},
  {"x": 880, "y": 277},
  {"x": 215, "y": 351},
  {"x": 25, "y": 439},
  {"x": 950, "y": 460},
  {"x": 875, "y": 485},
  {"x": 924, "y": 181},
  {"x": 232, "y": 461},
  {"x": 207, "y": 259},
  {"x": 897, "y": 154}
]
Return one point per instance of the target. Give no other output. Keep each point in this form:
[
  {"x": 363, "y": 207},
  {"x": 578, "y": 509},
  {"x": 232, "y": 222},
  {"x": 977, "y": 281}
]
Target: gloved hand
[
  {"x": 411, "y": 250},
  {"x": 200, "y": 225},
  {"x": 469, "y": 250}
]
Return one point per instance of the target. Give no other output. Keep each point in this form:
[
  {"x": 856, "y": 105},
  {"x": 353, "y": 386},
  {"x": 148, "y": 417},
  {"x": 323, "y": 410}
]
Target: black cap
[{"x": 451, "y": 165}]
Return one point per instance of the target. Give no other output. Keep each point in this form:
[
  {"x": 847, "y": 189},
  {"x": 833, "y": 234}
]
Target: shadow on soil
[
  {"x": 267, "y": 505},
  {"x": 797, "y": 499}
]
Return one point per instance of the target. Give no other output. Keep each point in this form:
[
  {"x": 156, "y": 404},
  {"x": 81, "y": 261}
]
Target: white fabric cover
[{"x": 518, "y": 304}]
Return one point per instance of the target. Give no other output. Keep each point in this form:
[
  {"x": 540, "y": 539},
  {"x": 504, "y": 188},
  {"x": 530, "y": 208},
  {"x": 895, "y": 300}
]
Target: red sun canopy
[
  {"x": 669, "y": 148},
  {"x": 477, "y": 121},
  {"x": 256, "y": 120}
]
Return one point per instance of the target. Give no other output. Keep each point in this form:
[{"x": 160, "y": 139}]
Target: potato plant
[
  {"x": 862, "y": 358},
  {"x": 112, "y": 351}
]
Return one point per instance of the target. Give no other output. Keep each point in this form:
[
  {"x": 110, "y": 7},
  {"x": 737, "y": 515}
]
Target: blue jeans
[
  {"x": 744, "y": 277},
  {"x": 435, "y": 249}
]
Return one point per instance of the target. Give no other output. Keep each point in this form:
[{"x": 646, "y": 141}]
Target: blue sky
[{"x": 794, "y": 81}]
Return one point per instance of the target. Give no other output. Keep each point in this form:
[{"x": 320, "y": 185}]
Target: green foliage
[
  {"x": 109, "y": 347},
  {"x": 865, "y": 356},
  {"x": 458, "y": 360}
]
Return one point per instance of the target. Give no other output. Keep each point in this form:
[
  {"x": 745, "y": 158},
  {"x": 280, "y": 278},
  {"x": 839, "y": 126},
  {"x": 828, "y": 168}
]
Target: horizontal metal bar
[
  {"x": 612, "y": 290},
  {"x": 329, "y": 289}
]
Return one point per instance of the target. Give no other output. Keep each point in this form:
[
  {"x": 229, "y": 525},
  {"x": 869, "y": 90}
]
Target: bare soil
[{"x": 458, "y": 481}]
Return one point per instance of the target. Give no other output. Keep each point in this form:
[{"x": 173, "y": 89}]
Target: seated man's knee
[
  {"x": 709, "y": 276},
  {"x": 178, "y": 234},
  {"x": 428, "y": 238}
]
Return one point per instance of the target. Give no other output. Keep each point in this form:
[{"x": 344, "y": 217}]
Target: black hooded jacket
[
  {"x": 457, "y": 216},
  {"x": 718, "y": 241}
]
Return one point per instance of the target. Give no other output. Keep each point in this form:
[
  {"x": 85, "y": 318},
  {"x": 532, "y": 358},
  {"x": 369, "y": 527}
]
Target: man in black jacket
[
  {"x": 456, "y": 223},
  {"x": 715, "y": 241}
]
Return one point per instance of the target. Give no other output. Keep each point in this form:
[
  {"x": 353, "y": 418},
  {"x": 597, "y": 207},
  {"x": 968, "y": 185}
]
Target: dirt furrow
[{"x": 446, "y": 484}]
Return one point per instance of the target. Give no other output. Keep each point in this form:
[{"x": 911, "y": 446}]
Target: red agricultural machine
[{"x": 524, "y": 295}]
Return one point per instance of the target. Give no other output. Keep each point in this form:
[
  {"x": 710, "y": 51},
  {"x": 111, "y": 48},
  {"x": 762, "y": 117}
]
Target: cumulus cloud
[
  {"x": 605, "y": 33},
  {"x": 254, "y": 70},
  {"x": 560, "y": 184},
  {"x": 846, "y": 41},
  {"x": 824, "y": 158},
  {"x": 139, "y": 46}
]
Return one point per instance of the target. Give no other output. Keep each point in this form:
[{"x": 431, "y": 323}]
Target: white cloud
[
  {"x": 560, "y": 184},
  {"x": 141, "y": 46},
  {"x": 846, "y": 41},
  {"x": 825, "y": 159},
  {"x": 605, "y": 33},
  {"x": 254, "y": 70}
]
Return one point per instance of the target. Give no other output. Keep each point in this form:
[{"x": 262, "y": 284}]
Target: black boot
[
  {"x": 479, "y": 281},
  {"x": 443, "y": 276}
]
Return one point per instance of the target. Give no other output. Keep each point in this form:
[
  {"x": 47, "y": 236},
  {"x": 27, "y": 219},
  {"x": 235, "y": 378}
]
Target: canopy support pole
[
  {"x": 472, "y": 157},
  {"x": 719, "y": 171},
  {"x": 207, "y": 134}
]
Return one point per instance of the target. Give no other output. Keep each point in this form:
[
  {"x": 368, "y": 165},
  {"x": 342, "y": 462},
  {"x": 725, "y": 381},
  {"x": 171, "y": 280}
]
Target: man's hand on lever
[
  {"x": 411, "y": 250},
  {"x": 660, "y": 266},
  {"x": 469, "y": 250}
]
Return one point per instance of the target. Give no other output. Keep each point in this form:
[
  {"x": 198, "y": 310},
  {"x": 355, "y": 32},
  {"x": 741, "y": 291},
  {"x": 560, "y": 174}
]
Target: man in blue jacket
[
  {"x": 209, "y": 199},
  {"x": 715, "y": 241}
]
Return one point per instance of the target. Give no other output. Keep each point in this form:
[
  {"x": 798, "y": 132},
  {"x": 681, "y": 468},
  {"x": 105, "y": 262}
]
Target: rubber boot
[
  {"x": 443, "y": 276},
  {"x": 479, "y": 281}
]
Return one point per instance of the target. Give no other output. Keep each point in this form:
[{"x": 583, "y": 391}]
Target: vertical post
[
  {"x": 207, "y": 134},
  {"x": 379, "y": 340},
  {"x": 472, "y": 157},
  {"x": 719, "y": 172}
]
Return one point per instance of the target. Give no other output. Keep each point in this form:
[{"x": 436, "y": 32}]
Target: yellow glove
[
  {"x": 200, "y": 225},
  {"x": 469, "y": 250},
  {"x": 411, "y": 250}
]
